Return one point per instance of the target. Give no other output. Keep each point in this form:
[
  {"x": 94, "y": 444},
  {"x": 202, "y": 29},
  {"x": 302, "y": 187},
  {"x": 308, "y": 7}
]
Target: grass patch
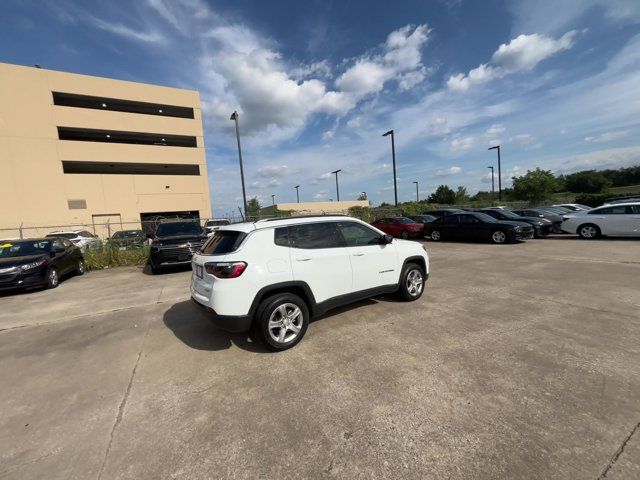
[
  {"x": 629, "y": 189},
  {"x": 110, "y": 256}
]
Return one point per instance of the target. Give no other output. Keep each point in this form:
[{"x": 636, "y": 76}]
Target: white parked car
[
  {"x": 575, "y": 207},
  {"x": 617, "y": 220},
  {"x": 81, "y": 238},
  {"x": 274, "y": 275},
  {"x": 212, "y": 225}
]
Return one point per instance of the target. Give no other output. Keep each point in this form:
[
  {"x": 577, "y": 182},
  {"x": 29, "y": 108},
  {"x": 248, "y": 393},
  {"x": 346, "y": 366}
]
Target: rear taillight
[{"x": 225, "y": 269}]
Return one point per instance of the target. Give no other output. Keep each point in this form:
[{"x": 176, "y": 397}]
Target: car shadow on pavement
[
  {"x": 192, "y": 327},
  {"x": 166, "y": 270}
]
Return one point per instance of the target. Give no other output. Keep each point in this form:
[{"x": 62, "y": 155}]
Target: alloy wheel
[
  {"x": 285, "y": 323},
  {"x": 498, "y": 237},
  {"x": 588, "y": 232},
  {"x": 435, "y": 235},
  {"x": 53, "y": 278},
  {"x": 414, "y": 282}
]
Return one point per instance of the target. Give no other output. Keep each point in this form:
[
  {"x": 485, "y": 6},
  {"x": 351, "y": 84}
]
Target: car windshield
[
  {"x": 22, "y": 248},
  {"x": 127, "y": 233},
  {"x": 63, "y": 235},
  {"x": 484, "y": 217},
  {"x": 510, "y": 214},
  {"x": 178, "y": 228},
  {"x": 215, "y": 223},
  {"x": 404, "y": 220}
]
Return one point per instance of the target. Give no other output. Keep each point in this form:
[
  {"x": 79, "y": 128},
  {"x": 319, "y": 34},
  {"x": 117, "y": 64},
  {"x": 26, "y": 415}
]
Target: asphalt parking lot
[{"x": 520, "y": 361}]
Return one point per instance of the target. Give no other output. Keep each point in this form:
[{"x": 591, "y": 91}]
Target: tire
[
  {"x": 412, "y": 282},
  {"x": 404, "y": 235},
  {"x": 80, "y": 267},
  {"x": 436, "y": 236},
  {"x": 53, "y": 278},
  {"x": 589, "y": 231},
  {"x": 155, "y": 270},
  {"x": 498, "y": 237},
  {"x": 269, "y": 326}
]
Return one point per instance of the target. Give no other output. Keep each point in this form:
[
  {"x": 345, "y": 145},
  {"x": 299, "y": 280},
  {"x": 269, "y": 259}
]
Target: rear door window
[
  {"x": 222, "y": 242},
  {"x": 315, "y": 235}
]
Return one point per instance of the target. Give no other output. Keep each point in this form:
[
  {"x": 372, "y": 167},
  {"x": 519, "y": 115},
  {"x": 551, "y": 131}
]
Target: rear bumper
[{"x": 229, "y": 323}]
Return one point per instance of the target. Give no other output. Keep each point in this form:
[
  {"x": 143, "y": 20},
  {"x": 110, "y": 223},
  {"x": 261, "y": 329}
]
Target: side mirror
[{"x": 387, "y": 238}]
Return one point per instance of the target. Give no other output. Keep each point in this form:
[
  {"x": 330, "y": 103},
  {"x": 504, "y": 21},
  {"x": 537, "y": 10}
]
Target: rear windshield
[
  {"x": 215, "y": 223},
  {"x": 127, "y": 233},
  {"x": 223, "y": 241},
  {"x": 62, "y": 235},
  {"x": 178, "y": 228}
]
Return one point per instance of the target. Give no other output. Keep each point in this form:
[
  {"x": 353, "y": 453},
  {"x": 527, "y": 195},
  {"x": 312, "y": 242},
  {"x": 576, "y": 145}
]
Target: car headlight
[
  {"x": 517, "y": 229},
  {"x": 29, "y": 266}
]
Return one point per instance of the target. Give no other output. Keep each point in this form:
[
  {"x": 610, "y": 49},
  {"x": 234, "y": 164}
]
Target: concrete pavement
[{"x": 520, "y": 361}]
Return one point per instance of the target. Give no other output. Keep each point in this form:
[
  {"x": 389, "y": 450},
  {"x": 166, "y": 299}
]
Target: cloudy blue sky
[{"x": 555, "y": 82}]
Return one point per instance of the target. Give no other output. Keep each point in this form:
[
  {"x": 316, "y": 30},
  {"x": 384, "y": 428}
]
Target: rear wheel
[
  {"x": 411, "y": 282},
  {"x": 499, "y": 237},
  {"x": 53, "y": 279},
  {"x": 80, "y": 267},
  {"x": 404, "y": 234},
  {"x": 436, "y": 236},
  {"x": 282, "y": 321},
  {"x": 589, "y": 231}
]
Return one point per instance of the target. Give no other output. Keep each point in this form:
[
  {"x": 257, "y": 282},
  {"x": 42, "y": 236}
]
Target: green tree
[
  {"x": 362, "y": 196},
  {"x": 587, "y": 181},
  {"x": 461, "y": 195},
  {"x": 535, "y": 185},
  {"x": 443, "y": 195},
  {"x": 253, "y": 207}
]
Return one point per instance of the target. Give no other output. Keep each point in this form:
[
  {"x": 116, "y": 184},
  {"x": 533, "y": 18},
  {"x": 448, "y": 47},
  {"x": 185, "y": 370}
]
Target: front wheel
[
  {"x": 411, "y": 282},
  {"x": 52, "y": 278},
  {"x": 589, "y": 231},
  {"x": 436, "y": 236},
  {"x": 282, "y": 321},
  {"x": 498, "y": 237}
]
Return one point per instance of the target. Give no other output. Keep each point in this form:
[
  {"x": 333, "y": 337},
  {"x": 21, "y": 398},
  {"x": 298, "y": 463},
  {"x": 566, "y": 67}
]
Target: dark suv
[{"x": 174, "y": 243}]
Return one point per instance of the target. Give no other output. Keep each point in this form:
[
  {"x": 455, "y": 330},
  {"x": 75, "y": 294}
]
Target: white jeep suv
[{"x": 274, "y": 275}]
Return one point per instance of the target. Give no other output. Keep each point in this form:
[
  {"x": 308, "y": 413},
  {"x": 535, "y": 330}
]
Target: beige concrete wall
[
  {"x": 33, "y": 188},
  {"x": 317, "y": 207}
]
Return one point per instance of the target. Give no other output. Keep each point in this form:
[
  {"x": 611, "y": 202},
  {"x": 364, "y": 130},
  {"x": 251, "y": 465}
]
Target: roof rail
[{"x": 293, "y": 217}]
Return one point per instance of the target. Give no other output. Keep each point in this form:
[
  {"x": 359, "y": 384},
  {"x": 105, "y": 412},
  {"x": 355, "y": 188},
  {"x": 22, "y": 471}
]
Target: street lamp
[
  {"x": 365, "y": 195},
  {"x": 417, "y": 196},
  {"x": 297, "y": 193},
  {"x": 234, "y": 117},
  {"x": 273, "y": 200},
  {"x": 499, "y": 172},
  {"x": 337, "y": 189},
  {"x": 393, "y": 153},
  {"x": 493, "y": 184}
]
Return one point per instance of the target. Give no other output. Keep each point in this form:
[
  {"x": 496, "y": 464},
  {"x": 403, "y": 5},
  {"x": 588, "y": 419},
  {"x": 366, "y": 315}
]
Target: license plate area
[{"x": 199, "y": 271}]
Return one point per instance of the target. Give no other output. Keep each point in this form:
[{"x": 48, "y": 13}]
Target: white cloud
[
  {"x": 520, "y": 54},
  {"x": 523, "y": 138},
  {"x": 495, "y": 129},
  {"x": 449, "y": 171},
  {"x": 606, "y": 137},
  {"x": 461, "y": 144},
  {"x": 130, "y": 33},
  {"x": 272, "y": 171}
]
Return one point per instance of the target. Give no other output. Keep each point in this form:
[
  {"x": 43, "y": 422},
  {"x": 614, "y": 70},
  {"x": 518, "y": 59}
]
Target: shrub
[
  {"x": 592, "y": 199},
  {"x": 110, "y": 256}
]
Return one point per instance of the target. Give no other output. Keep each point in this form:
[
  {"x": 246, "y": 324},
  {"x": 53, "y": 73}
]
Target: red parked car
[{"x": 402, "y": 227}]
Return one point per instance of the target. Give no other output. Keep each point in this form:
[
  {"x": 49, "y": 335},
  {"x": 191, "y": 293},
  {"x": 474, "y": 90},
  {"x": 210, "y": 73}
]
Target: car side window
[
  {"x": 467, "y": 219},
  {"x": 356, "y": 235},
  {"x": 57, "y": 243},
  {"x": 281, "y": 237},
  {"x": 66, "y": 243},
  {"x": 451, "y": 219},
  {"x": 633, "y": 209},
  {"x": 617, "y": 210},
  {"x": 315, "y": 235}
]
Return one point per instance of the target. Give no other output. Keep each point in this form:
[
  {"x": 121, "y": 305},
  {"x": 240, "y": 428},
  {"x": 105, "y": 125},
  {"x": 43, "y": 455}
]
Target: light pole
[
  {"x": 493, "y": 184},
  {"x": 297, "y": 193},
  {"x": 234, "y": 117},
  {"x": 417, "y": 196},
  {"x": 393, "y": 153},
  {"x": 273, "y": 200},
  {"x": 337, "y": 189},
  {"x": 499, "y": 172}
]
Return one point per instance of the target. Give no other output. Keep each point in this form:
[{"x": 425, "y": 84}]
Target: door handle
[{"x": 304, "y": 259}]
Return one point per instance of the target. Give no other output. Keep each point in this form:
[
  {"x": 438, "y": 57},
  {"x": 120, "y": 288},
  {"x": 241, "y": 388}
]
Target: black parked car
[
  {"x": 37, "y": 262},
  {"x": 443, "y": 212},
  {"x": 174, "y": 243},
  {"x": 127, "y": 239},
  {"x": 542, "y": 226},
  {"x": 423, "y": 219},
  {"x": 477, "y": 226},
  {"x": 554, "y": 218}
]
